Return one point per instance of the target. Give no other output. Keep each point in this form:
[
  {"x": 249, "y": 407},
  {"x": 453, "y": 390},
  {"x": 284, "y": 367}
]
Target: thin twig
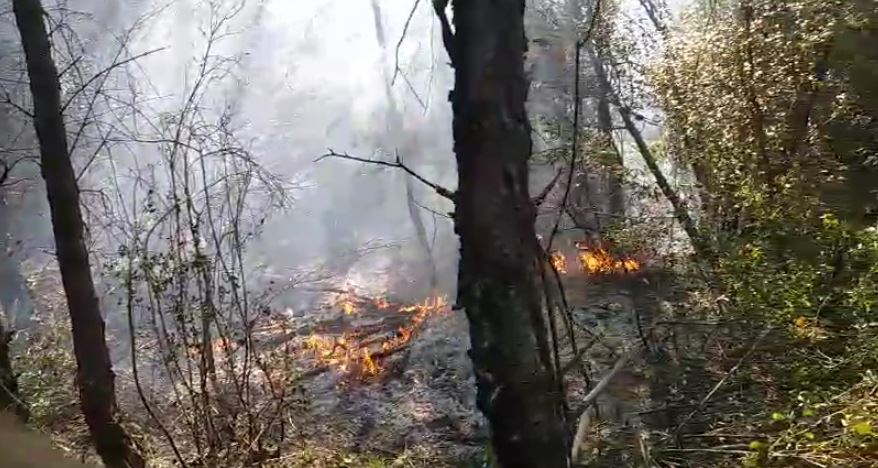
[
  {"x": 405, "y": 29},
  {"x": 105, "y": 71},
  {"x": 539, "y": 199},
  {"x": 7, "y": 99},
  {"x": 577, "y": 105},
  {"x": 398, "y": 164},
  {"x": 574, "y": 156}
]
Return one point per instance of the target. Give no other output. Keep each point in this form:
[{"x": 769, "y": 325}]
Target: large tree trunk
[
  {"x": 94, "y": 372},
  {"x": 495, "y": 221}
]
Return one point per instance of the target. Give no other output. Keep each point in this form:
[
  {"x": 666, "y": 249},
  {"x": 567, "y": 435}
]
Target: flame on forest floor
[
  {"x": 595, "y": 261},
  {"x": 348, "y": 303},
  {"x": 352, "y": 353},
  {"x": 599, "y": 261},
  {"x": 559, "y": 261}
]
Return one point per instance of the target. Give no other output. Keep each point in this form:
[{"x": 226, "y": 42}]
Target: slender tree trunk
[
  {"x": 699, "y": 244},
  {"x": 616, "y": 167},
  {"x": 495, "y": 221},
  {"x": 394, "y": 128},
  {"x": 95, "y": 377}
]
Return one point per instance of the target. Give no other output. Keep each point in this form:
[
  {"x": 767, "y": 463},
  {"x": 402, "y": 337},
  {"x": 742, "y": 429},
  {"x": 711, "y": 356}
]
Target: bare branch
[
  {"x": 574, "y": 149},
  {"x": 103, "y": 72},
  {"x": 539, "y": 199},
  {"x": 405, "y": 29},
  {"x": 7, "y": 169},
  {"x": 7, "y": 99},
  {"x": 577, "y": 105},
  {"x": 395, "y": 164}
]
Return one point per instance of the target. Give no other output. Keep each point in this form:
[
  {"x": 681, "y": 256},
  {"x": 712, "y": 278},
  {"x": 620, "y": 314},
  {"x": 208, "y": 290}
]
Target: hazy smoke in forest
[{"x": 303, "y": 77}]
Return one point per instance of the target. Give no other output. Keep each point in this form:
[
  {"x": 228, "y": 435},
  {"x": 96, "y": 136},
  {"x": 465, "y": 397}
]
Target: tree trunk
[
  {"x": 395, "y": 130},
  {"x": 495, "y": 221},
  {"x": 616, "y": 166},
  {"x": 699, "y": 244},
  {"x": 95, "y": 377}
]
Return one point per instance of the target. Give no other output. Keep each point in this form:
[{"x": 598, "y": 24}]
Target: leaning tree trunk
[
  {"x": 495, "y": 221},
  {"x": 700, "y": 245},
  {"x": 94, "y": 375}
]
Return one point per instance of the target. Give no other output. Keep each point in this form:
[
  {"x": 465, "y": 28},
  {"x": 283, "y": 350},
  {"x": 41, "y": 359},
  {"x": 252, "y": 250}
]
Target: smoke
[{"x": 301, "y": 77}]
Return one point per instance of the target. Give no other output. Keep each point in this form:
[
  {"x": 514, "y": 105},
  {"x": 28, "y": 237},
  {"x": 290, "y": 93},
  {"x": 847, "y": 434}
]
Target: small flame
[
  {"x": 369, "y": 365},
  {"x": 598, "y": 261},
  {"x": 348, "y": 307},
  {"x": 559, "y": 261}
]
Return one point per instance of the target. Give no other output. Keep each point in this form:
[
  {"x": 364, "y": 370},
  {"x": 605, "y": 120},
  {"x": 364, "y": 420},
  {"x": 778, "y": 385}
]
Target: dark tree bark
[
  {"x": 95, "y": 377},
  {"x": 495, "y": 221}
]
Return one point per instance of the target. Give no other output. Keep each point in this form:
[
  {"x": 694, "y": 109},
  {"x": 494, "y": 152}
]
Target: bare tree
[
  {"x": 95, "y": 377},
  {"x": 495, "y": 221}
]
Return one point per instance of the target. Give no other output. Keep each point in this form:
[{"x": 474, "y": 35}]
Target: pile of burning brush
[
  {"x": 351, "y": 334},
  {"x": 355, "y": 334},
  {"x": 596, "y": 260}
]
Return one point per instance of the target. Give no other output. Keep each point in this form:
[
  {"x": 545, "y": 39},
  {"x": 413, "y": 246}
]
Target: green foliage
[
  {"x": 768, "y": 99},
  {"x": 783, "y": 273},
  {"x": 773, "y": 103},
  {"x": 46, "y": 380}
]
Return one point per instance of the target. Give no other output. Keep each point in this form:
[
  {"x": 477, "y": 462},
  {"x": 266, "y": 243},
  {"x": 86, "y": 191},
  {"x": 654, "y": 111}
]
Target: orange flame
[
  {"x": 597, "y": 261},
  {"x": 369, "y": 365},
  {"x": 348, "y": 354},
  {"x": 558, "y": 261}
]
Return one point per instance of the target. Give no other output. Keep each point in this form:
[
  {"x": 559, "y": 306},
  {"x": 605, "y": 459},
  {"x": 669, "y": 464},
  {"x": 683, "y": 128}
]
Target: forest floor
[{"x": 693, "y": 390}]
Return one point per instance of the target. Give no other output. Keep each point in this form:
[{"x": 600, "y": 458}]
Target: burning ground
[
  {"x": 390, "y": 376},
  {"x": 383, "y": 376}
]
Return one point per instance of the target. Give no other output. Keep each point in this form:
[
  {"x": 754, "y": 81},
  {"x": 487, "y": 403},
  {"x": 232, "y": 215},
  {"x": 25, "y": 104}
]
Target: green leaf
[
  {"x": 778, "y": 416},
  {"x": 756, "y": 445},
  {"x": 809, "y": 435},
  {"x": 807, "y": 412},
  {"x": 862, "y": 429}
]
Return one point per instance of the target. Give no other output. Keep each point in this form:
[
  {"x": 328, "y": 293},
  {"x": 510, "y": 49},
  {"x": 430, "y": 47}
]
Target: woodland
[{"x": 438, "y": 233}]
